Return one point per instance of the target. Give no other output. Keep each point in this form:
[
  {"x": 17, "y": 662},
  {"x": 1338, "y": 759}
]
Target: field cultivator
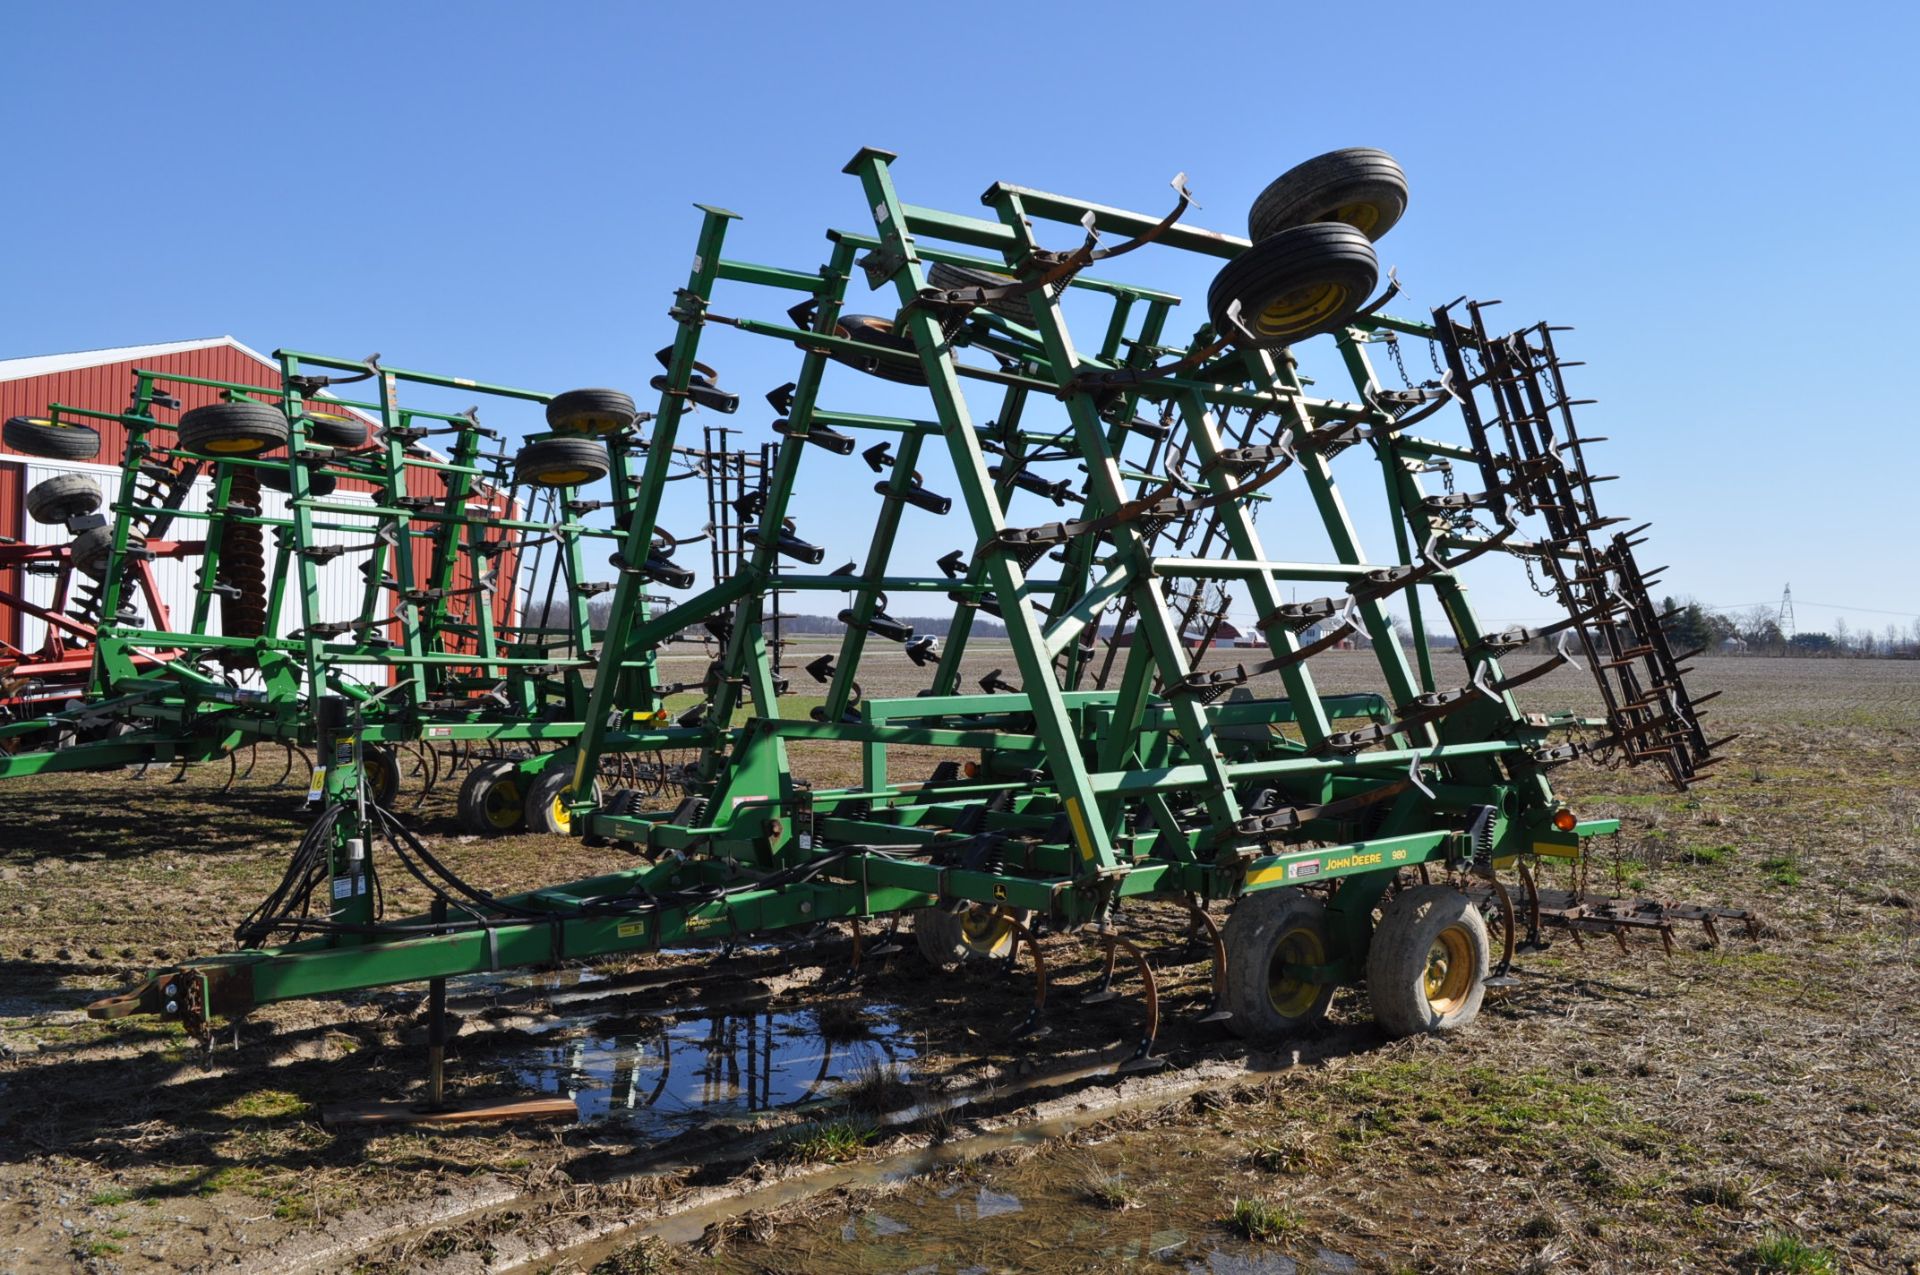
[
  {"x": 466, "y": 644},
  {"x": 1106, "y": 500}
]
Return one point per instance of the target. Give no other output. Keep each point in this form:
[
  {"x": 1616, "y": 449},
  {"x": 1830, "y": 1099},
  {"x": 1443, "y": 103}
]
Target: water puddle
[{"x": 682, "y": 1073}]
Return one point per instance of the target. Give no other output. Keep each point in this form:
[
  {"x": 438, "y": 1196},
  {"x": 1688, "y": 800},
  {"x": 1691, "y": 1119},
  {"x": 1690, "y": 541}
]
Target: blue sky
[{"x": 1718, "y": 197}]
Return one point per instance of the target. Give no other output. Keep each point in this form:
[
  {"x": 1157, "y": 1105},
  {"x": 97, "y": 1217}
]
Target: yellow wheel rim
[
  {"x": 234, "y": 446},
  {"x": 1294, "y": 997},
  {"x": 502, "y": 806},
  {"x": 376, "y": 775},
  {"x": 1363, "y": 216},
  {"x": 562, "y": 477},
  {"x": 1300, "y": 309},
  {"x": 557, "y": 809},
  {"x": 1449, "y": 974},
  {"x": 589, "y": 425},
  {"x": 985, "y": 931}
]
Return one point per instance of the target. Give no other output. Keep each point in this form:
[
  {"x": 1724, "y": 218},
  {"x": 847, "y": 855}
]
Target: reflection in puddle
[
  {"x": 987, "y": 1204},
  {"x": 692, "y": 1071},
  {"x": 1251, "y": 1262}
]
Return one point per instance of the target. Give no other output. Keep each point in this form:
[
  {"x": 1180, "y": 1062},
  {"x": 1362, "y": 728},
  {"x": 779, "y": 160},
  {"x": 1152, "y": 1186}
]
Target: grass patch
[
  {"x": 877, "y": 1086},
  {"x": 828, "y": 1143},
  {"x": 1781, "y": 871},
  {"x": 109, "y": 1197},
  {"x": 267, "y": 1104},
  {"x": 1788, "y": 1255},
  {"x": 1705, "y": 855},
  {"x": 1262, "y": 1221},
  {"x": 1109, "y": 1190}
]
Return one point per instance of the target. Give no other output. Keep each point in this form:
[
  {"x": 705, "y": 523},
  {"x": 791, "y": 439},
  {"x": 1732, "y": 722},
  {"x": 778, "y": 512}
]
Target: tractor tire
[
  {"x": 590, "y": 412},
  {"x": 38, "y": 436},
  {"x": 1264, "y": 931},
  {"x": 380, "y": 771},
  {"x": 1296, "y": 284},
  {"x": 319, "y": 482},
  {"x": 1427, "y": 967},
  {"x": 62, "y": 497},
  {"x": 1017, "y": 307},
  {"x": 335, "y": 427},
  {"x": 871, "y": 329},
  {"x": 979, "y": 933},
  {"x": 1359, "y": 186},
  {"x": 90, "y": 550},
  {"x": 561, "y": 462},
  {"x": 493, "y": 799},
  {"x": 244, "y": 427},
  {"x": 547, "y": 798}
]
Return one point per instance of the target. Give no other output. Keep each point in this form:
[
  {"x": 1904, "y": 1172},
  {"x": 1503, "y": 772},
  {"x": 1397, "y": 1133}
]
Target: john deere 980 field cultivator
[{"x": 1106, "y": 492}]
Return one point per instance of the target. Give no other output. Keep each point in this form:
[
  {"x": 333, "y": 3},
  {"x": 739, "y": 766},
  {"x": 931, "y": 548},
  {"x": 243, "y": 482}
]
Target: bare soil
[{"x": 1751, "y": 1107}]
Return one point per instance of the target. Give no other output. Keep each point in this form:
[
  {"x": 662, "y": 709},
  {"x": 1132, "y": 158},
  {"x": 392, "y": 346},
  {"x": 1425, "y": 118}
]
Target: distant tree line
[{"x": 1756, "y": 631}]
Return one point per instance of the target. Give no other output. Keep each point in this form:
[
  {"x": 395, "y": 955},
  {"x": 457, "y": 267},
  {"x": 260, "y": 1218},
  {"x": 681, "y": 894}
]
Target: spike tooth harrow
[{"x": 1086, "y": 790}]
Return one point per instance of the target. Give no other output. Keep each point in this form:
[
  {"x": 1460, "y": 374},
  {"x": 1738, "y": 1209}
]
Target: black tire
[
  {"x": 1359, "y": 186},
  {"x": 38, "y": 436},
  {"x": 62, "y": 497},
  {"x": 561, "y": 462},
  {"x": 335, "y": 427},
  {"x": 1427, "y": 966},
  {"x": 976, "y": 933},
  {"x": 871, "y": 329},
  {"x": 1296, "y": 284},
  {"x": 90, "y": 549},
  {"x": 319, "y": 482},
  {"x": 493, "y": 799},
  {"x": 1017, "y": 307},
  {"x": 381, "y": 773},
  {"x": 546, "y": 799},
  {"x": 1275, "y": 928},
  {"x": 244, "y": 427},
  {"x": 597, "y": 411}
]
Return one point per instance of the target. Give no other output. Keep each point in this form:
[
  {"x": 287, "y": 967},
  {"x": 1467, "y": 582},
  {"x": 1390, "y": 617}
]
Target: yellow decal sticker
[
  {"x": 631, "y": 929},
  {"x": 1079, "y": 822}
]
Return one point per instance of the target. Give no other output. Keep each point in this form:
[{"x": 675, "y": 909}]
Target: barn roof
[
  {"x": 47, "y": 364},
  {"x": 33, "y": 365}
]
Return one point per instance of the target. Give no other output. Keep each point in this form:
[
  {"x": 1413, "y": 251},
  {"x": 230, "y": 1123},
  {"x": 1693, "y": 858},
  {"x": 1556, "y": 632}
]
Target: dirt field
[{"x": 1748, "y": 1108}]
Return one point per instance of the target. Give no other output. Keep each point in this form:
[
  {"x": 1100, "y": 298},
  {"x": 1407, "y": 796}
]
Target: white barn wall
[{"x": 341, "y": 580}]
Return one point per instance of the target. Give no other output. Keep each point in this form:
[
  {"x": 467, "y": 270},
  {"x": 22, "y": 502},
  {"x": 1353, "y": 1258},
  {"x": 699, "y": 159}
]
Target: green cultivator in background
[
  {"x": 468, "y": 643},
  {"x": 1107, "y": 488}
]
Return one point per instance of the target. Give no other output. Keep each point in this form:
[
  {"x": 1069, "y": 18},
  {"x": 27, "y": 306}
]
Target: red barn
[{"x": 102, "y": 380}]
